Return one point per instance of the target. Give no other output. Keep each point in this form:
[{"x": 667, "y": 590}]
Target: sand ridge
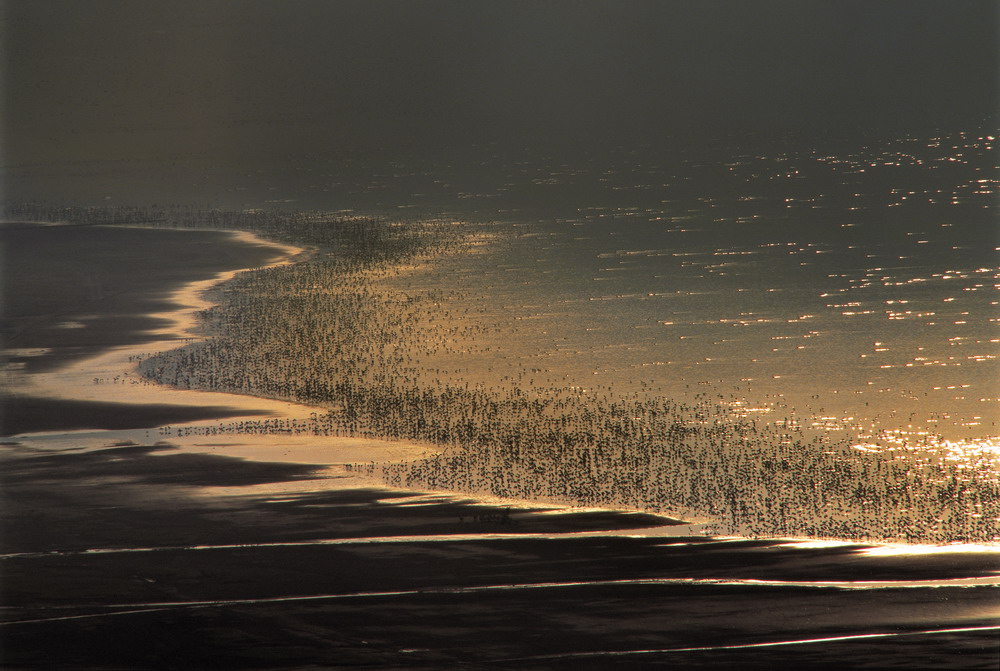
[{"x": 111, "y": 377}]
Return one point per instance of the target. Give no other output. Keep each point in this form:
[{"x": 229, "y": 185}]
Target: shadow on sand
[
  {"x": 28, "y": 414},
  {"x": 142, "y": 556}
]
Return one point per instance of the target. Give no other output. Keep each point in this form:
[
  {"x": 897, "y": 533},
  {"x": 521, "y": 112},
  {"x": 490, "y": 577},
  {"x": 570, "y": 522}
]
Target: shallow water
[
  {"x": 853, "y": 283},
  {"x": 851, "y": 297},
  {"x": 566, "y": 300}
]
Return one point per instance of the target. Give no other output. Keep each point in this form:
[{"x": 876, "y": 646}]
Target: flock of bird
[{"x": 325, "y": 331}]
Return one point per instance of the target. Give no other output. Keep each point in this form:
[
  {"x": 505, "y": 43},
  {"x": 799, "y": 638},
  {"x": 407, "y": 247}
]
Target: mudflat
[
  {"x": 177, "y": 556},
  {"x": 23, "y": 414},
  {"x": 144, "y": 556},
  {"x": 70, "y": 291}
]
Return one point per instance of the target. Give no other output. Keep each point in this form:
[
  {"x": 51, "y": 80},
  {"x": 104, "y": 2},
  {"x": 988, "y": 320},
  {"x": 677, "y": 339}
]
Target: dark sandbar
[
  {"x": 423, "y": 614},
  {"x": 28, "y": 414}
]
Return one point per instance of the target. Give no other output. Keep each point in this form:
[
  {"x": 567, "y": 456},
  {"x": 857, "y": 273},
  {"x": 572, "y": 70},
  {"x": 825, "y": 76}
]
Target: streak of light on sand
[
  {"x": 375, "y": 540},
  {"x": 768, "y": 644},
  {"x": 77, "y": 382},
  {"x": 127, "y": 608}
]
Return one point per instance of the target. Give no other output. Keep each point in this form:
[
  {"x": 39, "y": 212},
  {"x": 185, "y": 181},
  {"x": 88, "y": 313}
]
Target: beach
[
  {"x": 66, "y": 394},
  {"x": 519, "y": 336},
  {"x": 112, "y": 295},
  {"x": 275, "y": 544},
  {"x": 152, "y": 557}
]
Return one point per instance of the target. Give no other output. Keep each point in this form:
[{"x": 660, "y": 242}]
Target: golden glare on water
[{"x": 813, "y": 342}]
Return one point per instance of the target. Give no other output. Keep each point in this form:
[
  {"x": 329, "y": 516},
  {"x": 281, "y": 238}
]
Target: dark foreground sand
[
  {"x": 24, "y": 414},
  {"x": 191, "y": 576}
]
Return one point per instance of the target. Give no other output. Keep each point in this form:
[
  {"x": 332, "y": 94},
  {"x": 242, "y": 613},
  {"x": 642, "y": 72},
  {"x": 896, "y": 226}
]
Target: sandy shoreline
[
  {"x": 110, "y": 377},
  {"x": 108, "y": 388},
  {"x": 132, "y": 555},
  {"x": 108, "y": 385},
  {"x": 263, "y": 550}
]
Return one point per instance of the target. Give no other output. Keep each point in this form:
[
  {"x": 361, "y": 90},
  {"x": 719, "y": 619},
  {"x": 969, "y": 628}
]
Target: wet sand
[
  {"x": 91, "y": 397},
  {"x": 26, "y": 414},
  {"x": 71, "y": 291},
  {"x": 81, "y": 301},
  {"x": 149, "y": 557},
  {"x": 260, "y": 552}
]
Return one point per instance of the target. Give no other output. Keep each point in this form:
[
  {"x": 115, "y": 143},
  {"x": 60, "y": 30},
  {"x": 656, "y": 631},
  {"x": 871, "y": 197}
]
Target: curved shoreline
[
  {"x": 218, "y": 552},
  {"x": 111, "y": 377},
  {"x": 269, "y": 439},
  {"x": 77, "y": 382}
]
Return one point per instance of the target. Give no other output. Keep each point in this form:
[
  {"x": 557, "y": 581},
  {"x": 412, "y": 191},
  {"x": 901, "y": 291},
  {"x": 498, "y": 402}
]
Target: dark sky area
[{"x": 137, "y": 79}]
